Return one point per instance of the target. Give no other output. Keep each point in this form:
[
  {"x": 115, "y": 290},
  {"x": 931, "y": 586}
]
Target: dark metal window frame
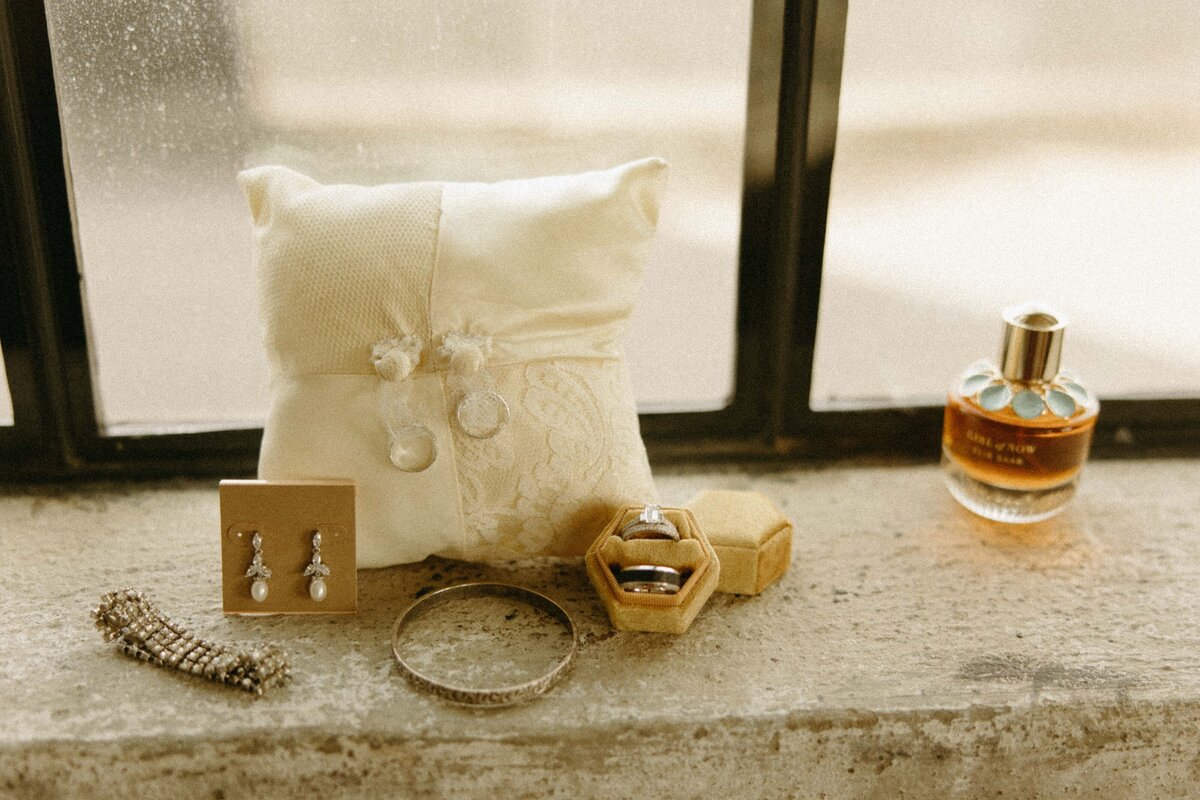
[{"x": 796, "y": 60}]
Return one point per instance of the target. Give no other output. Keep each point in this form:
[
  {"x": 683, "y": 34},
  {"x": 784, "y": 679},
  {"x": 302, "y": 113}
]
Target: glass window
[
  {"x": 990, "y": 153},
  {"x": 162, "y": 104}
]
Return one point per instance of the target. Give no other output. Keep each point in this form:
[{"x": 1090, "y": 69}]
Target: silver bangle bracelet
[{"x": 492, "y": 697}]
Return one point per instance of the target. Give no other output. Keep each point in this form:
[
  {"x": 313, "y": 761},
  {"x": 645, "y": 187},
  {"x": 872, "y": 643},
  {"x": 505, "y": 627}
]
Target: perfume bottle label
[
  {"x": 1014, "y": 455},
  {"x": 1002, "y": 451}
]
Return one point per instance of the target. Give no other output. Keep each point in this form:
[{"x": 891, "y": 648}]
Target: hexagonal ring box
[{"x": 659, "y": 613}]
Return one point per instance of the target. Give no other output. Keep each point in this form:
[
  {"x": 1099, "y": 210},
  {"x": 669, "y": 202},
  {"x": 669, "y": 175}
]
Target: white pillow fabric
[{"x": 455, "y": 348}]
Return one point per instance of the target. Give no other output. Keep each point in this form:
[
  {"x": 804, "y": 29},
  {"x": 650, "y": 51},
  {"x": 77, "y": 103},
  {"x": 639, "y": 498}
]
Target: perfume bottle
[{"x": 1016, "y": 435}]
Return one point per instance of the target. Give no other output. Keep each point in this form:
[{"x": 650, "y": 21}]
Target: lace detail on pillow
[{"x": 570, "y": 455}]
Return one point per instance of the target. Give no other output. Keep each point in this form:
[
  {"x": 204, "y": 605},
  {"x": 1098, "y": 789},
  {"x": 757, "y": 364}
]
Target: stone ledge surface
[{"x": 913, "y": 650}]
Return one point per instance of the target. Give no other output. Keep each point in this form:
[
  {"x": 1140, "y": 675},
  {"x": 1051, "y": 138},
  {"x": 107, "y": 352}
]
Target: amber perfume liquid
[
  {"x": 1016, "y": 433},
  {"x": 1005, "y": 468}
]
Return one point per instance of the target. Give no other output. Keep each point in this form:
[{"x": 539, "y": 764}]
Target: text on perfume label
[{"x": 985, "y": 447}]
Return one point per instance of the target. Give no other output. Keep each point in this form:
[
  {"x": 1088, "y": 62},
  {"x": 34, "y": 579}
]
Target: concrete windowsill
[{"x": 913, "y": 650}]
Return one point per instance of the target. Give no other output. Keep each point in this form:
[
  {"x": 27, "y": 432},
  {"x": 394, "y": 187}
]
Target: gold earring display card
[{"x": 287, "y": 547}]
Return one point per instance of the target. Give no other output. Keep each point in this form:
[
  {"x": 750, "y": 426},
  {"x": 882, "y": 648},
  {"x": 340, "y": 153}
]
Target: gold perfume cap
[{"x": 1032, "y": 347}]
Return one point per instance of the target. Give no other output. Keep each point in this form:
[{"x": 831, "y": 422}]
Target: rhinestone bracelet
[{"x": 141, "y": 631}]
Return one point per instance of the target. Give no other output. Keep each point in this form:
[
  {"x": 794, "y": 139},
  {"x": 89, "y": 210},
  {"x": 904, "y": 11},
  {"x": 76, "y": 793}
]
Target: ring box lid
[{"x": 751, "y": 536}]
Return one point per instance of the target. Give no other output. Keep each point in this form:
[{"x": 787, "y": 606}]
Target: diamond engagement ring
[{"x": 650, "y": 524}]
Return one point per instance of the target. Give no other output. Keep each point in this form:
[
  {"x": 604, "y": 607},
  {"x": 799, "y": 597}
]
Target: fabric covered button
[
  {"x": 464, "y": 353},
  {"x": 395, "y": 358}
]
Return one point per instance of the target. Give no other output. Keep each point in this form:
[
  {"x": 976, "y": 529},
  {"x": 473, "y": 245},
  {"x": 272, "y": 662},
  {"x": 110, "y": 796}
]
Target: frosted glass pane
[
  {"x": 162, "y": 103},
  {"x": 6, "y": 409},
  {"x": 990, "y": 153}
]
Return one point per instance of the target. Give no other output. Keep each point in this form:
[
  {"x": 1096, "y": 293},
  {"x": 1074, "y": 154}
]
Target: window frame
[
  {"x": 1160, "y": 427},
  {"x": 797, "y": 46}
]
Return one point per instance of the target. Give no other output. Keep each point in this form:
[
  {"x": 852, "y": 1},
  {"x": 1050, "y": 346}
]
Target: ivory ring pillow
[{"x": 455, "y": 349}]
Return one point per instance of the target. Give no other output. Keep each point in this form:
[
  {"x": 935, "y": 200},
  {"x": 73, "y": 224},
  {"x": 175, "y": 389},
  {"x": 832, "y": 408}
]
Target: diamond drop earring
[
  {"x": 257, "y": 571},
  {"x": 317, "y": 571}
]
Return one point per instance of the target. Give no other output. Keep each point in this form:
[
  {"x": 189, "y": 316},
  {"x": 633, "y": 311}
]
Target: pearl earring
[
  {"x": 260, "y": 573},
  {"x": 317, "y": 571}
]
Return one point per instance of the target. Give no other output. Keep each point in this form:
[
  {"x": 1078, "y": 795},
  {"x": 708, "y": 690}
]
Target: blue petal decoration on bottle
[
  {"x": 974, "y": 383},
  {"x": 1077, "y": 392},
  {"x": 1028, "y": 404},
  {"x": 995, "y": 397},
  {"x": 1060, "y": 404}
]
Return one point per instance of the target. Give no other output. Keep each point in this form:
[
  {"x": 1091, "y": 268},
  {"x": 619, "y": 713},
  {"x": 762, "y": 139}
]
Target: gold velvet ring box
[
  {"x": 751, "y": 536},
  {"x": 658, "y": 613}
]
